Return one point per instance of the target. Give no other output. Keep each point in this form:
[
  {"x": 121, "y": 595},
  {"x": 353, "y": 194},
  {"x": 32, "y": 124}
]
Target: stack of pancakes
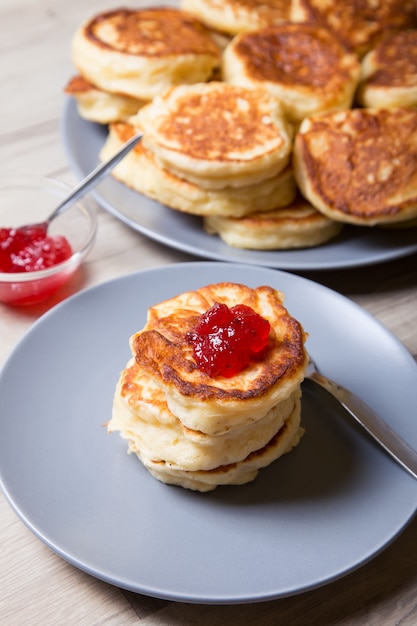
[
  {"x": 209, "y": 149},
  {"x": 198, "y": 432},
  {"x": 206, "y": 150},
  {"x": 222, "y": 152}
]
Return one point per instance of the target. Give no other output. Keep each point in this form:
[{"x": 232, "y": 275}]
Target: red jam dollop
[
  {"x": 224, "y": 340},
  {"x": 30, "y": 249}
]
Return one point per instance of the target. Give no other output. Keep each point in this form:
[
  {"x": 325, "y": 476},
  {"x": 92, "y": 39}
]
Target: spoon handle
[
  {"x": 96, "y": 175},
  {"x": 371, "y": 422}
]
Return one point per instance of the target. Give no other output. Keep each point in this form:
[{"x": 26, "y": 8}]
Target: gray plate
[
  {"x": 353, "y": 248},
  {"x": 311, "y": 517}
]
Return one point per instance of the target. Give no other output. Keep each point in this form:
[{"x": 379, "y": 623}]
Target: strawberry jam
[
  {"x": 30, "y": 249},
  {"x": 224, "y": 340}
]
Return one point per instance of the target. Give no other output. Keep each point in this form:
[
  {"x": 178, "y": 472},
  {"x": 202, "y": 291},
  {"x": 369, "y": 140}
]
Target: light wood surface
[{"x": 36, "y": 586}]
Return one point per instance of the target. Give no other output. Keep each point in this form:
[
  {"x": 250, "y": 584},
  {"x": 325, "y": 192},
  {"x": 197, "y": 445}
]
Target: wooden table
[{"x": 36, "y": 586}]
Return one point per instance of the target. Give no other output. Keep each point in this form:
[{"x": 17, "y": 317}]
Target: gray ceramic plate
[
  {"x": 355, "y": 247},
  {"x": 311, "y": 517}
]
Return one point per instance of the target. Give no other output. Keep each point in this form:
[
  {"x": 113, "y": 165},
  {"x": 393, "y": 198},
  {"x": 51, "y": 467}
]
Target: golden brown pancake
[
  {"x": 389, "y": 72},
  {"x": 217, "y": 405},
  {"x": 238, "y": 473},
  {"x": 360, "y": 166},
  {"x": 298, "y": 225},
  {"x": 140, "y": 172},
  {"x": 141, "y": 415},
  {"x": 140, "y": 52},
  {"x": 100, "y": 106},
  {"x": 302, "y": 65},
  {"x": 358, "y": 24},
  {"x": 236, "y": 16},
  {"x": 217, "y": 135}
]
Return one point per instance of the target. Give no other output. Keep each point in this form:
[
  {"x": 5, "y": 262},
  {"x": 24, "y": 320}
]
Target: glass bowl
[{"x": 30, "y": 200}]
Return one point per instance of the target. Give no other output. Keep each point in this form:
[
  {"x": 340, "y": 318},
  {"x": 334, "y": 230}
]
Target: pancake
[
  {"x": 141, "y": 416},
  {"x": 217, "y": 405},
  {"x": 100, "y": 106},
  {"x": 238, "y": 473},
  {"x": 389, "y": 73},
  {"x": 359, "y": 166},
  {"x": 236, "y": 16},
  {"x": 358, "y": 24},
  {"x": 298, "y": 225},
  {"x": 217, "y": 135},
  {"x": 302, "y": 65},
  {"x": 141, "y": 173},
  {"x": 141, "y": 52}
]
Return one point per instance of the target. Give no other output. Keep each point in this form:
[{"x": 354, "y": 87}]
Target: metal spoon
[
  {"x": 87, "y": 183},
  {"x": 392, "y": 443}
]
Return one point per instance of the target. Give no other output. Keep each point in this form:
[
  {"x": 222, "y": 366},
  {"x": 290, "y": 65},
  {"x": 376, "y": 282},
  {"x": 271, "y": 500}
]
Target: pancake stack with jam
[{"x": 212, "y": 392}]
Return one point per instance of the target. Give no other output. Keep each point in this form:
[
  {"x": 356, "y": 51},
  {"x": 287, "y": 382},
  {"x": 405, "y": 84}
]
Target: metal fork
[{"x": 392, "y": 443}]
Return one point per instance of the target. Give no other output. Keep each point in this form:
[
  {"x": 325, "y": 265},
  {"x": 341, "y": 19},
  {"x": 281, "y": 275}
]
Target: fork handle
[{"x": 371, "y": 422}]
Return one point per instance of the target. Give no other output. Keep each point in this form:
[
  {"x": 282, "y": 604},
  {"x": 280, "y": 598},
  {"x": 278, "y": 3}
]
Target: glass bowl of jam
[{"x": 34, "y": 261}]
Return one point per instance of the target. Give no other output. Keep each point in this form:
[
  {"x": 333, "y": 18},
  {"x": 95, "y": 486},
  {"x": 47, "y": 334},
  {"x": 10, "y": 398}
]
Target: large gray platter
[
  {"x": 354, "y": 248},
  {"x": 311, "y": 517}
]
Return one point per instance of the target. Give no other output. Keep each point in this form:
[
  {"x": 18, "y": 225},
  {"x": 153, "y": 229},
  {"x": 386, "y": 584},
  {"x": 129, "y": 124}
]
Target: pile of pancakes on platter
[
  {"x": 199, "y": 431},
  {"x": 276, "y": 122}
]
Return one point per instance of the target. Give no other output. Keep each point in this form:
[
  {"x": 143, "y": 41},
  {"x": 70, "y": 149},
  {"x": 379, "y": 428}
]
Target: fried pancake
[
  {"x": 238, "y": 473},
  {"x": 302, "y": 65},
  {"x": 100, "y": 106},
  {"x": 141, "y": 416},
  {"x": 359, "y": 166},
  {"x": 389, "y": 73},
  {"x": 298, "y": 225},
  {"x": 217, "y": 135},
  {"x": 140, "y": 172},
  {"x": 141, "y": 52},
  {"x": 236, "y": 16},
  {"x": 358, "y": 24},
  {"x": 217, "y": 405}
]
